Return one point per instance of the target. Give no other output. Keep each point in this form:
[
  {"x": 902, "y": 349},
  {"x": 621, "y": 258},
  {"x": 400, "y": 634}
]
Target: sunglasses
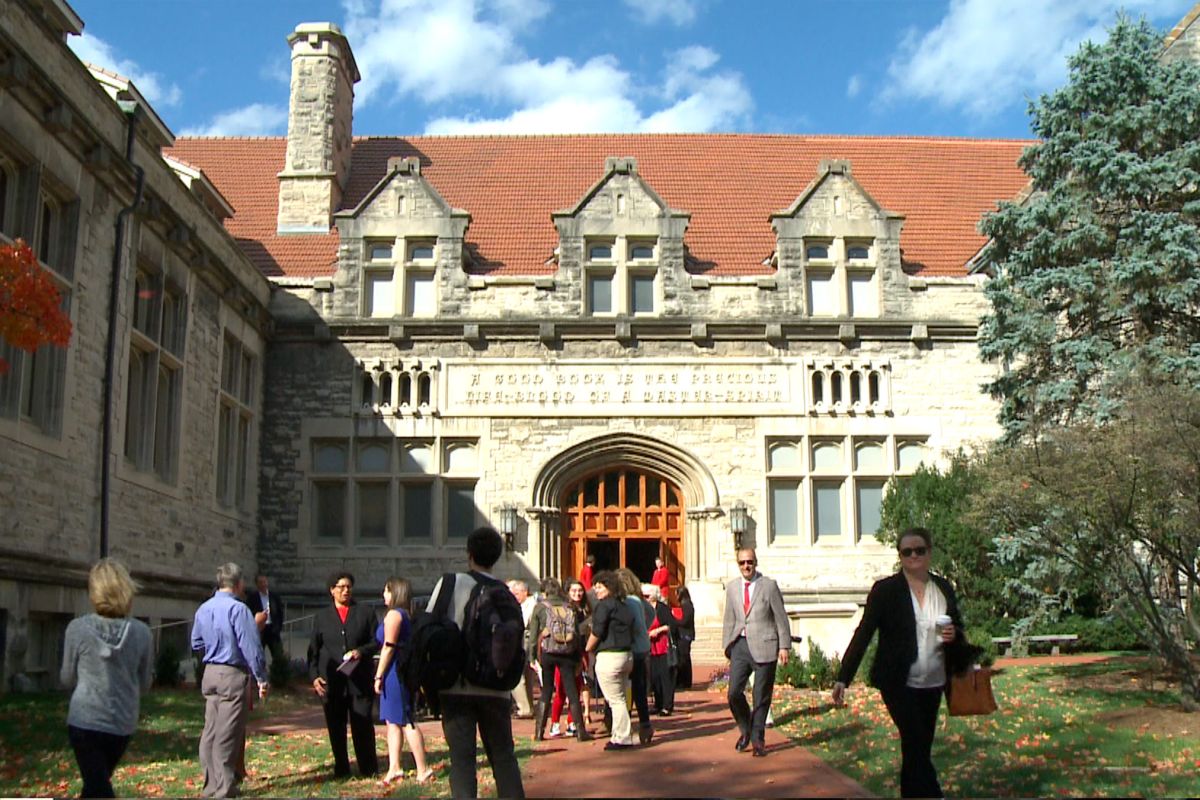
[
  {"x": 913, "y": 551},
  {"x": 744, "y": 563}
]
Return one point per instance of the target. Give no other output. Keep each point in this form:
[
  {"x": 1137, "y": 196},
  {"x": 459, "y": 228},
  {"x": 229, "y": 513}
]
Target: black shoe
[
  {"x": 666, "y": 712},
  {"x": 760, "y": 750},
  {"x": 645, "y": 734},
  {"x": 341, "y": 774},
  {"x": 583, "y": 735},
  {"x": 743, "y": 744},
  {"x": 615, "y": 746}
]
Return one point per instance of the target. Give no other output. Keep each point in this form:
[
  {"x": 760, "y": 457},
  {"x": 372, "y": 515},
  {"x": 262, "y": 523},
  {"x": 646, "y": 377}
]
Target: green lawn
[
  {"x": 1101, "y": 729},
  {"x": 162, "y": 759}
]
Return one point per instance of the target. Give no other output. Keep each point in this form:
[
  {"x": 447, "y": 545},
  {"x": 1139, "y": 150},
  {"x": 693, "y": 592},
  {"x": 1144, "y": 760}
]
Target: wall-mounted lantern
[
  {"x": 508, "y": 525},
  {"x": 739, "y": 518}
]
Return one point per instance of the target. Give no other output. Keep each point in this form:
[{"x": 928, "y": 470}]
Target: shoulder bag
[{"x": 970, "y": 692}]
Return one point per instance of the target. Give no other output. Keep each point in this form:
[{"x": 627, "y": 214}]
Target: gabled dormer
[
  {"x": 399, "y": 245},
  {"x": 623, "y": 244},
  {"x": 837, "y": 248}
]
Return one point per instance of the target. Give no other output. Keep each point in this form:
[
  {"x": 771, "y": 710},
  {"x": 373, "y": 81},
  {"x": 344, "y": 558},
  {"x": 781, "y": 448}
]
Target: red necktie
[{"x": 746, "y": 597}]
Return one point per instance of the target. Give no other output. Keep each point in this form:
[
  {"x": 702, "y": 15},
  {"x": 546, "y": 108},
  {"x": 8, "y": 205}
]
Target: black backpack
[
  {"x": 494, "y": 634},
  {"x": 432, "y": 658}
]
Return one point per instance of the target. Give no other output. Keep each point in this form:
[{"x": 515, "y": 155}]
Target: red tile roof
[{"x": 731, "y": 184}]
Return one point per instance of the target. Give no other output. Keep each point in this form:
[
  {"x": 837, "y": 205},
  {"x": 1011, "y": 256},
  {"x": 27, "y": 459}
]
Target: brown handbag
[{"x": 970, "y": 693}]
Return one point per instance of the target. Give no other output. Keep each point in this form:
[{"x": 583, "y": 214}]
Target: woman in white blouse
[{"x": 914, "y": 655}]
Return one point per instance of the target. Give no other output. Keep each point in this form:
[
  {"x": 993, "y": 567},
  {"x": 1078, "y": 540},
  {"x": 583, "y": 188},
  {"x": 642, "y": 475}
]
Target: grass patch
[
  {"x": 162, "y": 758},
  {"x": 1101, "y": 729}
]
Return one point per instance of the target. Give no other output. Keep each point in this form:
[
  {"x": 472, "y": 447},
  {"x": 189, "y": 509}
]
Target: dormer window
[
  {"x": 420, "y": 251},
  {"x": 600, "y": 252},
  {"x": 379, "y": 251},
  {"x": 641, "y": 251}
]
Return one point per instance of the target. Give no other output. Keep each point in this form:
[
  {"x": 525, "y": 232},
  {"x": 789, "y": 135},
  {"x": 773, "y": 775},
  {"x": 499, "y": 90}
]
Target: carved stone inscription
[{"x": 622, "y": 388}]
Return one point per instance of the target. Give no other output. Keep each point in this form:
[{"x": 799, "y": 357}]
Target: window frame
[
  {"x": 237, "y": 392},
  {"x": 623, "y": 272}
]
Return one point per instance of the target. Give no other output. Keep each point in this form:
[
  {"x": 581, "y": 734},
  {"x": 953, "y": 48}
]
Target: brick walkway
[{"x": 691, "y": 755}]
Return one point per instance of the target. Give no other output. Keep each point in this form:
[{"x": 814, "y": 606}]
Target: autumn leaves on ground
[{"x": 1110, "y": 728}]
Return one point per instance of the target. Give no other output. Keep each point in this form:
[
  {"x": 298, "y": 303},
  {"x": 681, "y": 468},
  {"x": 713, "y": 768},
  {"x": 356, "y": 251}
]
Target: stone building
[
  {"x": 604, "y": 343},
  {"x": 333, "y": 351},
  {"x": 84, "y": 181}
]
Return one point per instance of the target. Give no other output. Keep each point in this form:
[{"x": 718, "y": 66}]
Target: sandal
[{"x": 429, "y": 773}]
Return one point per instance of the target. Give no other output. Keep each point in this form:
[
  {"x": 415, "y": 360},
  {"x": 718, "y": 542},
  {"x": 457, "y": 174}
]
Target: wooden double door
[{"x": 625, "y": 517}]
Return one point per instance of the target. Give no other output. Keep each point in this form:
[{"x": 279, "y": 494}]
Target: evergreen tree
[{"x": 1097, "y": 270}]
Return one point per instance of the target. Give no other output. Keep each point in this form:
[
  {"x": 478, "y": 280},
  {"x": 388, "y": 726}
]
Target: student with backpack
[
  {"x": 489, "y": 618},
  {"x": 555, "y": 629}
]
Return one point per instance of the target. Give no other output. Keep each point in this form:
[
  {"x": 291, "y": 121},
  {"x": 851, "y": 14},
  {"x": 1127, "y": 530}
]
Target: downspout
[{"x": 130, "y": 109}]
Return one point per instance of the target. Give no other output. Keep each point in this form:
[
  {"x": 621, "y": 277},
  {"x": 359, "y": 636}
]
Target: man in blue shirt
[{"x": 224, "y": 631}]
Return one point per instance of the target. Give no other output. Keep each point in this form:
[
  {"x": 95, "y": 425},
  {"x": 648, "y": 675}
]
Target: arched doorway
[{"x": 625, "y": 516}]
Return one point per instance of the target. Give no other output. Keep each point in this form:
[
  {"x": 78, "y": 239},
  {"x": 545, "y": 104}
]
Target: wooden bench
[{"x": 1053, "y": 639}]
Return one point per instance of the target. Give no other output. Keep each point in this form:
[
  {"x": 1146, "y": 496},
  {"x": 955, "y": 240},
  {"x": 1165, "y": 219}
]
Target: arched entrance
[{"x": 626, "y": 517}]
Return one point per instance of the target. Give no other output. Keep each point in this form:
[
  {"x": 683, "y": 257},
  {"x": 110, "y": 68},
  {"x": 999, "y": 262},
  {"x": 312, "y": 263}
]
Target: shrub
[
  {"x": 819, "y": 671},
  {"x": 166, "y": 666},
  {"x": 981, "y": 637}
]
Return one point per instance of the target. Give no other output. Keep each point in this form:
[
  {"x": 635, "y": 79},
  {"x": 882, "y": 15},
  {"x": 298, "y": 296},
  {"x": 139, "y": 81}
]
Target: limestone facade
[{"x": 190, "y": 306}]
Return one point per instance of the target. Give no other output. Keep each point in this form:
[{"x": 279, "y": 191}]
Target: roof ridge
[{"x": 689, "y": 135}]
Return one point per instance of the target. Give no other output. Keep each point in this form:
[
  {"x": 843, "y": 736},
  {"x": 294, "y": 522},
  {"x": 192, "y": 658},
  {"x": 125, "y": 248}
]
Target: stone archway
[{"x": 635, "y": 454}]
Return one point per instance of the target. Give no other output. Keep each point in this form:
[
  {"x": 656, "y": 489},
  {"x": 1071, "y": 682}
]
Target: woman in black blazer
[
  {"x": 340, "y": 667},
  {"x": 915, "y": 655}
]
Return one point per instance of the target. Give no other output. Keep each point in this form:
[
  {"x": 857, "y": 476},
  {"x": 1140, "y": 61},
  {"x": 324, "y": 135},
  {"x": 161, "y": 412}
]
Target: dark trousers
[
  {"x": 638, "y": 681},
  {"x": 751, "y": 722},
  {"x": 97, "y": 754},
  {"x": 915, "y": 712},
  {"x": 340, "y": 704},
  {"x": 567, "y": 667},
  {"x": 662, "y": 678},
  {"x": 462, "y": 715},
  {"x": 683, "y": 673}
]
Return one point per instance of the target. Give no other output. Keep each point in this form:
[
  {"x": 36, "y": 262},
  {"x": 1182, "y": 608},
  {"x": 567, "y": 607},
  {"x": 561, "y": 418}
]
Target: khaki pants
[
  {"x": 223, "y": 742},
  {"x": 612, "y": 673}
]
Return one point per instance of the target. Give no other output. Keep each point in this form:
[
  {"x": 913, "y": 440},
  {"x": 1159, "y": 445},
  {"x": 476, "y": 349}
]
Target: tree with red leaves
[{"x": 31, "y": 312}]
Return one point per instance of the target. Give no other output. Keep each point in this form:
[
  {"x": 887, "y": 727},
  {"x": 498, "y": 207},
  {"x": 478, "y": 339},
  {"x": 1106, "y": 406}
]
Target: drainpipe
[{"x": 130, "y": 109}]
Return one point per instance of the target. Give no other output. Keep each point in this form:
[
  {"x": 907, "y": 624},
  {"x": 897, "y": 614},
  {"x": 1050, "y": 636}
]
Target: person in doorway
[
  {"x": 224, "y": 631},
  {"x": 339, "y": 663},
  {"x": 267, "y": 604},
  {"x": 395, "y": 703},
  {"x": 756, "y": 637},
  {"x": 107, "y": 658},
  {"x": 588, "y": 573},
  {"x": 661, "y": 578},
  {"x": 523, "y": 694},
  {"x": 914, "y": 656},
  {"x": 467, "y": 707}
]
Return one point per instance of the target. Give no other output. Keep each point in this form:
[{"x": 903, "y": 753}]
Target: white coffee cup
[{"x": 943, "y": 622}]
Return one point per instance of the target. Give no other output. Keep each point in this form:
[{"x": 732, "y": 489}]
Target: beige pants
[
  {"x": 612, "y": 673},
  {"x": 523, "y": 694}
]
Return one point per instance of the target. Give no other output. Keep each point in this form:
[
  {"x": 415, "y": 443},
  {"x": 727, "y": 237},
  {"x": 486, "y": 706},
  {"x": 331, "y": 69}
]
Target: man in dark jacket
[
  {"x": 339, "y": 664},
  {"x": 266, "y": 603}
]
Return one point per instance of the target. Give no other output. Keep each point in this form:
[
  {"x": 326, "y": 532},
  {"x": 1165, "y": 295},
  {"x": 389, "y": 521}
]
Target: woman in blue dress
[{"x": 395, "y": 704}]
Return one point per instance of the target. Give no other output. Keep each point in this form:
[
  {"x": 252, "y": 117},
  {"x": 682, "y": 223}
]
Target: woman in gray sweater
[{"x": 107, "y": 658}]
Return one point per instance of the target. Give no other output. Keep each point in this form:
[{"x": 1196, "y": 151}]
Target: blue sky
[{"x": 887, "y": 67}]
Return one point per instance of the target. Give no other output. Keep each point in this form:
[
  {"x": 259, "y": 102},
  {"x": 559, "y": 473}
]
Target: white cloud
[
  {"x": 676, "y": 12},
  {"x": 854, "y": 86},
  {"x": 467, "y": 51},
  {"x": 152, "y": 85},
  {"x": 258, "y": 119},
  {"x": 985, "y": 54}
]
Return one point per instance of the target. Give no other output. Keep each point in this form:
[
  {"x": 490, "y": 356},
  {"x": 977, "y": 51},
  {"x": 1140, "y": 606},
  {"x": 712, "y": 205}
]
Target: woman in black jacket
[
  {"x": 915, "y": 656},
  {"x": 687, "y": 635}
]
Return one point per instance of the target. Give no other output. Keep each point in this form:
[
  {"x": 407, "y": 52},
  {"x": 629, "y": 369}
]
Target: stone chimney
[{"x": 320, "y": 114}]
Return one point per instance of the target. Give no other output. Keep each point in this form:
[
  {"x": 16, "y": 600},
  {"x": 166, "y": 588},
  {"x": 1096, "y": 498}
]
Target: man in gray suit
[{"x": 756, "y": 635}]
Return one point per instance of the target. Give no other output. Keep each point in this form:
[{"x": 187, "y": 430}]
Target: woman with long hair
[
  {"x": 107, "y": 658},
  {"x": 577, "y": 599},
  {"x": 395, "y": 702},
  {"x": 686, "y": 614},
  {"x": 555, "y": 630}
]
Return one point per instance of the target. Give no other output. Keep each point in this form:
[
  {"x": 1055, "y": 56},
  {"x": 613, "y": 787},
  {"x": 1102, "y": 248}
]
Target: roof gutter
[{"x": 131, "y": 111}]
